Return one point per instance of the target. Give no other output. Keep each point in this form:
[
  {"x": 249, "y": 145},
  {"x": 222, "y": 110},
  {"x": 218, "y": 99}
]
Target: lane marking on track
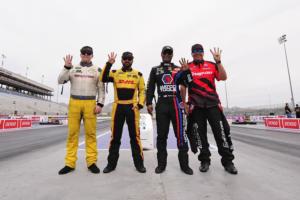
[{"x": 98, "y": 136}]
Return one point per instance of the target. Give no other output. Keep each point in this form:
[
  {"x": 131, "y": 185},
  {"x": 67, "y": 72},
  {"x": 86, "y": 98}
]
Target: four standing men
[{"x": 129, "y": 95}]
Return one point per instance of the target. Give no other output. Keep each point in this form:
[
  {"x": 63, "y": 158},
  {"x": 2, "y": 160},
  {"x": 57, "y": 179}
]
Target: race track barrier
[
  {"x": 15, "y": 123},
  {"x": 287, "y": 123}
]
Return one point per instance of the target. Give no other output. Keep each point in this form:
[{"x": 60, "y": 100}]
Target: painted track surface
[{"x": 268, "y": 163}]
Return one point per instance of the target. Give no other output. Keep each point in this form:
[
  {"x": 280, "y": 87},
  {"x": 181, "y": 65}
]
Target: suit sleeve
[
  {"x": 107, "y": 74},
  {"x": 217, "y": 74},
  {"x": 150, "y": 87},
  {"x": 64, "y": 76},
  {"x": 141, "y": 90},
  {"x": 101, "y": 91}
]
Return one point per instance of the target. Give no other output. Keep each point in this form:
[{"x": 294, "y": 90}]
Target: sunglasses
[
  {"x": 86, "y": 53},
  {"x": 128, "y": 58},
  {"x": 197, "y": 51},
  {"x": 168, "y": 52}
]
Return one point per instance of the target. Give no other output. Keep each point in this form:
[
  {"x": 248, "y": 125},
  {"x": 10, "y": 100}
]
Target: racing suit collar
[
  {"x": 165, "y": 64},
  {"x": 198, "y": 62},
  {"x": 85, "y": 64},
  {"x": 125, "y": 69}
]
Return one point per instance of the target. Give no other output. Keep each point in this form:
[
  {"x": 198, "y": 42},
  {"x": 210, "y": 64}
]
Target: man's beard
[{"x": 127, "y": 65}]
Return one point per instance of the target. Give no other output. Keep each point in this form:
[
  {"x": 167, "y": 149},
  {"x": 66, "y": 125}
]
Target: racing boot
[
  {"x": 184, "y": 163},
  {"x": 204, "y": 167},
  {"x": 230, "y": 168},
  {"x": 94, "y": 169},
  {"x": 65, "y": 170}
]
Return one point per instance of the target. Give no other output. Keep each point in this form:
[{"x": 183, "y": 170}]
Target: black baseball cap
[
  {"x": 166, "y": 49},
  {"x": 197, "y": 48},
  {"x": 127, "y": 54},
  {"x": 86, "y": 50}
]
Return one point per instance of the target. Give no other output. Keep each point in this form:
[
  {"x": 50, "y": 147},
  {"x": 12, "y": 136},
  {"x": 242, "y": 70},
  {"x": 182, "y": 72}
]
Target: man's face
[
  {"x": 86, "y": 56},
  {"x": 198, "y": 56},
  {"x": 127, "y": 61},
  {"x": 167, "y": 56}
]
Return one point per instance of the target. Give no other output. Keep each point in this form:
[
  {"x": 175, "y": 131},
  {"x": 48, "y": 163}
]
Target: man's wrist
[
  {"x": 100, "y": 105},
  {"x": 67, "y": 67},
  {"x": 140, "y": 106}
]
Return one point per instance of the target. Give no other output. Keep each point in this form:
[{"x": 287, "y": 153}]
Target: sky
[{"x": 38, "y": 34}]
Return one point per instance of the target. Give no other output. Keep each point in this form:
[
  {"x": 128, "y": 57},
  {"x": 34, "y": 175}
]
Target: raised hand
[
  {"x": 112, "y": 57},
  {"x": 216, "y": 54},
  {"x": 68, "y": 60},
  {"x": 184, "y": 64}
]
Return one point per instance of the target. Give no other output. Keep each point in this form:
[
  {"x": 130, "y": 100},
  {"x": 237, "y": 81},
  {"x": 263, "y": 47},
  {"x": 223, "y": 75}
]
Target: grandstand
[{"x": 20, "y": 95}]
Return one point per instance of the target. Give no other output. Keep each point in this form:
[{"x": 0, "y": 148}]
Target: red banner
[
  {"x": 11, "y": 123},
  {"x": 282, "y": 123},
  {"x": 274, "y": 123},
  {"x": 1, "y": 124},
  {"x": 290, "y": 123},
  {"x": 26, "y": 123},
  {"x": 15, "y": 123}
]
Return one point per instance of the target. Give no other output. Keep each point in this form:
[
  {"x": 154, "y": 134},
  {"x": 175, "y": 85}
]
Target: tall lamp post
[
  {"x": 3, "y": 58},
  {"x": 283, "y": 40}
]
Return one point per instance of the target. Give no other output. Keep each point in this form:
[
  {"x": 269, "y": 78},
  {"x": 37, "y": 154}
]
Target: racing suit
[
  {"x": 85, "y": 86},
  {"x": 167, "y": 109},
  {"x": 205, "y": 106},
  {"x": 129, "y": 97}
]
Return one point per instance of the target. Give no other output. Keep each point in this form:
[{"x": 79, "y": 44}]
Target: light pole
[
  {"x": 43, "y": 79},
  {"x": 3, "y": 58},
  {"x": 26, "y": 74},
  {"x": 283, "y": 40}
]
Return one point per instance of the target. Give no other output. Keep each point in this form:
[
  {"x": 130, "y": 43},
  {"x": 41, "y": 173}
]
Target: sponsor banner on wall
[
  {"x": 290, "y": 123},
  {"x": 274, "y": 123},
  {"x": 11, "y": 123},
  {"x": 26, "y": 123},
  {"x": 1, "y": 124},
  {"x": 15, "y": 123},
  {"x": 287, "y": 123}
]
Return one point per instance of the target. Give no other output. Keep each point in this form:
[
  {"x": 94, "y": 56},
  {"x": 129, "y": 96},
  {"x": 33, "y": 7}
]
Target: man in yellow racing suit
[
  {"x": 129, "y": 98},
  {"x": 85, "y": 86}
]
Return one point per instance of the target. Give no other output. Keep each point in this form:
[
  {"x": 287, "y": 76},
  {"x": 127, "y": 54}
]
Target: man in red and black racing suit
[{"x": 204, "y": 105}]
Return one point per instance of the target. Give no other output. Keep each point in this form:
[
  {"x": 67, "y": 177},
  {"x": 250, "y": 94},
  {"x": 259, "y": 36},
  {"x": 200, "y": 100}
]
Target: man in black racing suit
[{"x": 167, "y": 109}]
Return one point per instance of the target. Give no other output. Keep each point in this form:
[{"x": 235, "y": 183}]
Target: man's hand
[
  {"x": 184, "y": 64},
  {"x": 150, "y": 109},
  {"x": 216, "y": 54},
  {"x": 112, "y": 57},
  {"x": 68, "y": 61},
  {"x": 98, "y": 109}
]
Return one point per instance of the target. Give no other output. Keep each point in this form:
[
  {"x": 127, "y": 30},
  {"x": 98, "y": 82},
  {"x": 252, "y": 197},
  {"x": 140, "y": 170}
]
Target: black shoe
[
  {"x": 65, "y": 170},
  {"x": 108, "y": 169},
  {"x": 230, "y": 168},
  {"x": 204, "y": 167},
  {"x": 160, "y": 169},
  {"x": 141, "y": 169},
  {"x": 187, "y": 170},
  {"x": 94, "y": 169}
]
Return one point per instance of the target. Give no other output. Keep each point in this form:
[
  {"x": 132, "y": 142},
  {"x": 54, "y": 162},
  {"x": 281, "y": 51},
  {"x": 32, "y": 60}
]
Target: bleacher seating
[{"x": 23, "y": 104}]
